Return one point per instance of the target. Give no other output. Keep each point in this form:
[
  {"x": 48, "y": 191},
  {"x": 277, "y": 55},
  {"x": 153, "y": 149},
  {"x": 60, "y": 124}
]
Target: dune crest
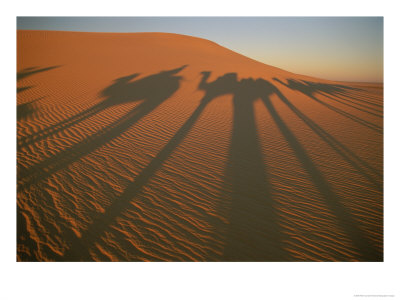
[{"x": 163, "y": 147}]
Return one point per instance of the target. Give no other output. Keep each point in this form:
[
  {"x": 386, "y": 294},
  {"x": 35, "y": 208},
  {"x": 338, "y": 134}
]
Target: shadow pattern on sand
[
  {"x": 153, "y": 90},
  {"x": 27, "y": 109},
  {"x": 33, "y": 70},
  {"x": 253, "y": 233},
  {"x": 333, "y": 91}
]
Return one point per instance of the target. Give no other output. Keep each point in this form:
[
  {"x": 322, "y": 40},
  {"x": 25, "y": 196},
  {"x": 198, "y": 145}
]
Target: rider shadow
[
  {"x": 331, "y": 91},
  {"x": 254, "y": 233},
  {"x": 79, "y": 249},
  {"x": 365, "y": 249},
  {"x": 152, "y": 90}
]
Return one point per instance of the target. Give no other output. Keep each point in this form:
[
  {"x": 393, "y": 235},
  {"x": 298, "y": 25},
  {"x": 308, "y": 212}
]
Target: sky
[{"x": 336, "y": 48}]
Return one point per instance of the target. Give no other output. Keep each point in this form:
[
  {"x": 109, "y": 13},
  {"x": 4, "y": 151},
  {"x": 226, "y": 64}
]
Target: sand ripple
[{"x": 159, "y": 147}]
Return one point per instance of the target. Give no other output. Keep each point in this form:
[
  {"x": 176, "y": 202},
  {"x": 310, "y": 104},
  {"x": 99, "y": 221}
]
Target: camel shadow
[
  {"x": 332, "y": 91},
  {"x": 251, "y": 236},
  {"x": 254, "y": 232},
  {"x": 79, "y": 248},
  {"x": 153, "y": 90},
  {"x": 123, "y": 90}
]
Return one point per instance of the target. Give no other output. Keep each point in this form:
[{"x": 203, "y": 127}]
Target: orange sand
[{"x": 163, "y": 147}]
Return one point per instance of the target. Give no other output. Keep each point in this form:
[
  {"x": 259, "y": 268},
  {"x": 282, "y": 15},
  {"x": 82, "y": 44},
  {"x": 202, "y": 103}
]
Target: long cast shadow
[
  {"x": 23, "y": 88},
  {"x": 362, "y": 100},
  {"x": 78, "y": 250},
  {"x": 339, "y": 93},
  {"x": 348, "y": 101},
  {"x": 118, "y": 93},
  {"x": 33, "y": 70},
  {"x": 310, "y": 89},
  {"x": 357, "y": 163},
  {"x": 27, "y": 109},
  {"x": 254, "y": 233},
  {"x": 364, "y": 246},
  {"x": 120, "y": 204},
  {"x": 25, "y": 240},
  {"x": 153, "y": 90}
]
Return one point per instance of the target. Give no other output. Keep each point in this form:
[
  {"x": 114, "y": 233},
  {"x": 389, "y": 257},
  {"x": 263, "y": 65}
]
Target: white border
[{"x": 198, "y": 280}]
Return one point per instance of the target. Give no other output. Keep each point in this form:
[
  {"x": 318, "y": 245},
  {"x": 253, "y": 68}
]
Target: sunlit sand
[{"x": 164, "y": 147}]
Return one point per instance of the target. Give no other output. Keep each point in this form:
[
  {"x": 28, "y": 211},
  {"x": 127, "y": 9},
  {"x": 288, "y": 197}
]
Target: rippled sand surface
[{"x": 163, "y": 147}]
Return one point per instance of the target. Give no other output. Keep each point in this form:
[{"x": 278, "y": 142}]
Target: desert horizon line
[{"x": 211, "y": 41}]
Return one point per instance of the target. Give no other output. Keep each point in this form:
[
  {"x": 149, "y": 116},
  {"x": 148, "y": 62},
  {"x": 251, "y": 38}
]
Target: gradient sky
[{"x": 337, "y": 48}]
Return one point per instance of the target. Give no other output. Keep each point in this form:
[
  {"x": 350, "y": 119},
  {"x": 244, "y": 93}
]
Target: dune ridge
[{"x": 163, "y": 147}]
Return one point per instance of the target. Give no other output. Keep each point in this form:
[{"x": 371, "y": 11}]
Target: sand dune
[{"x": 163, "y": 147}]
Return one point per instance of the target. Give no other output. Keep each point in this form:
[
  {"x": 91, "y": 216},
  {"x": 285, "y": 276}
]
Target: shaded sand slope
[{"x": 163, "y": 147}]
